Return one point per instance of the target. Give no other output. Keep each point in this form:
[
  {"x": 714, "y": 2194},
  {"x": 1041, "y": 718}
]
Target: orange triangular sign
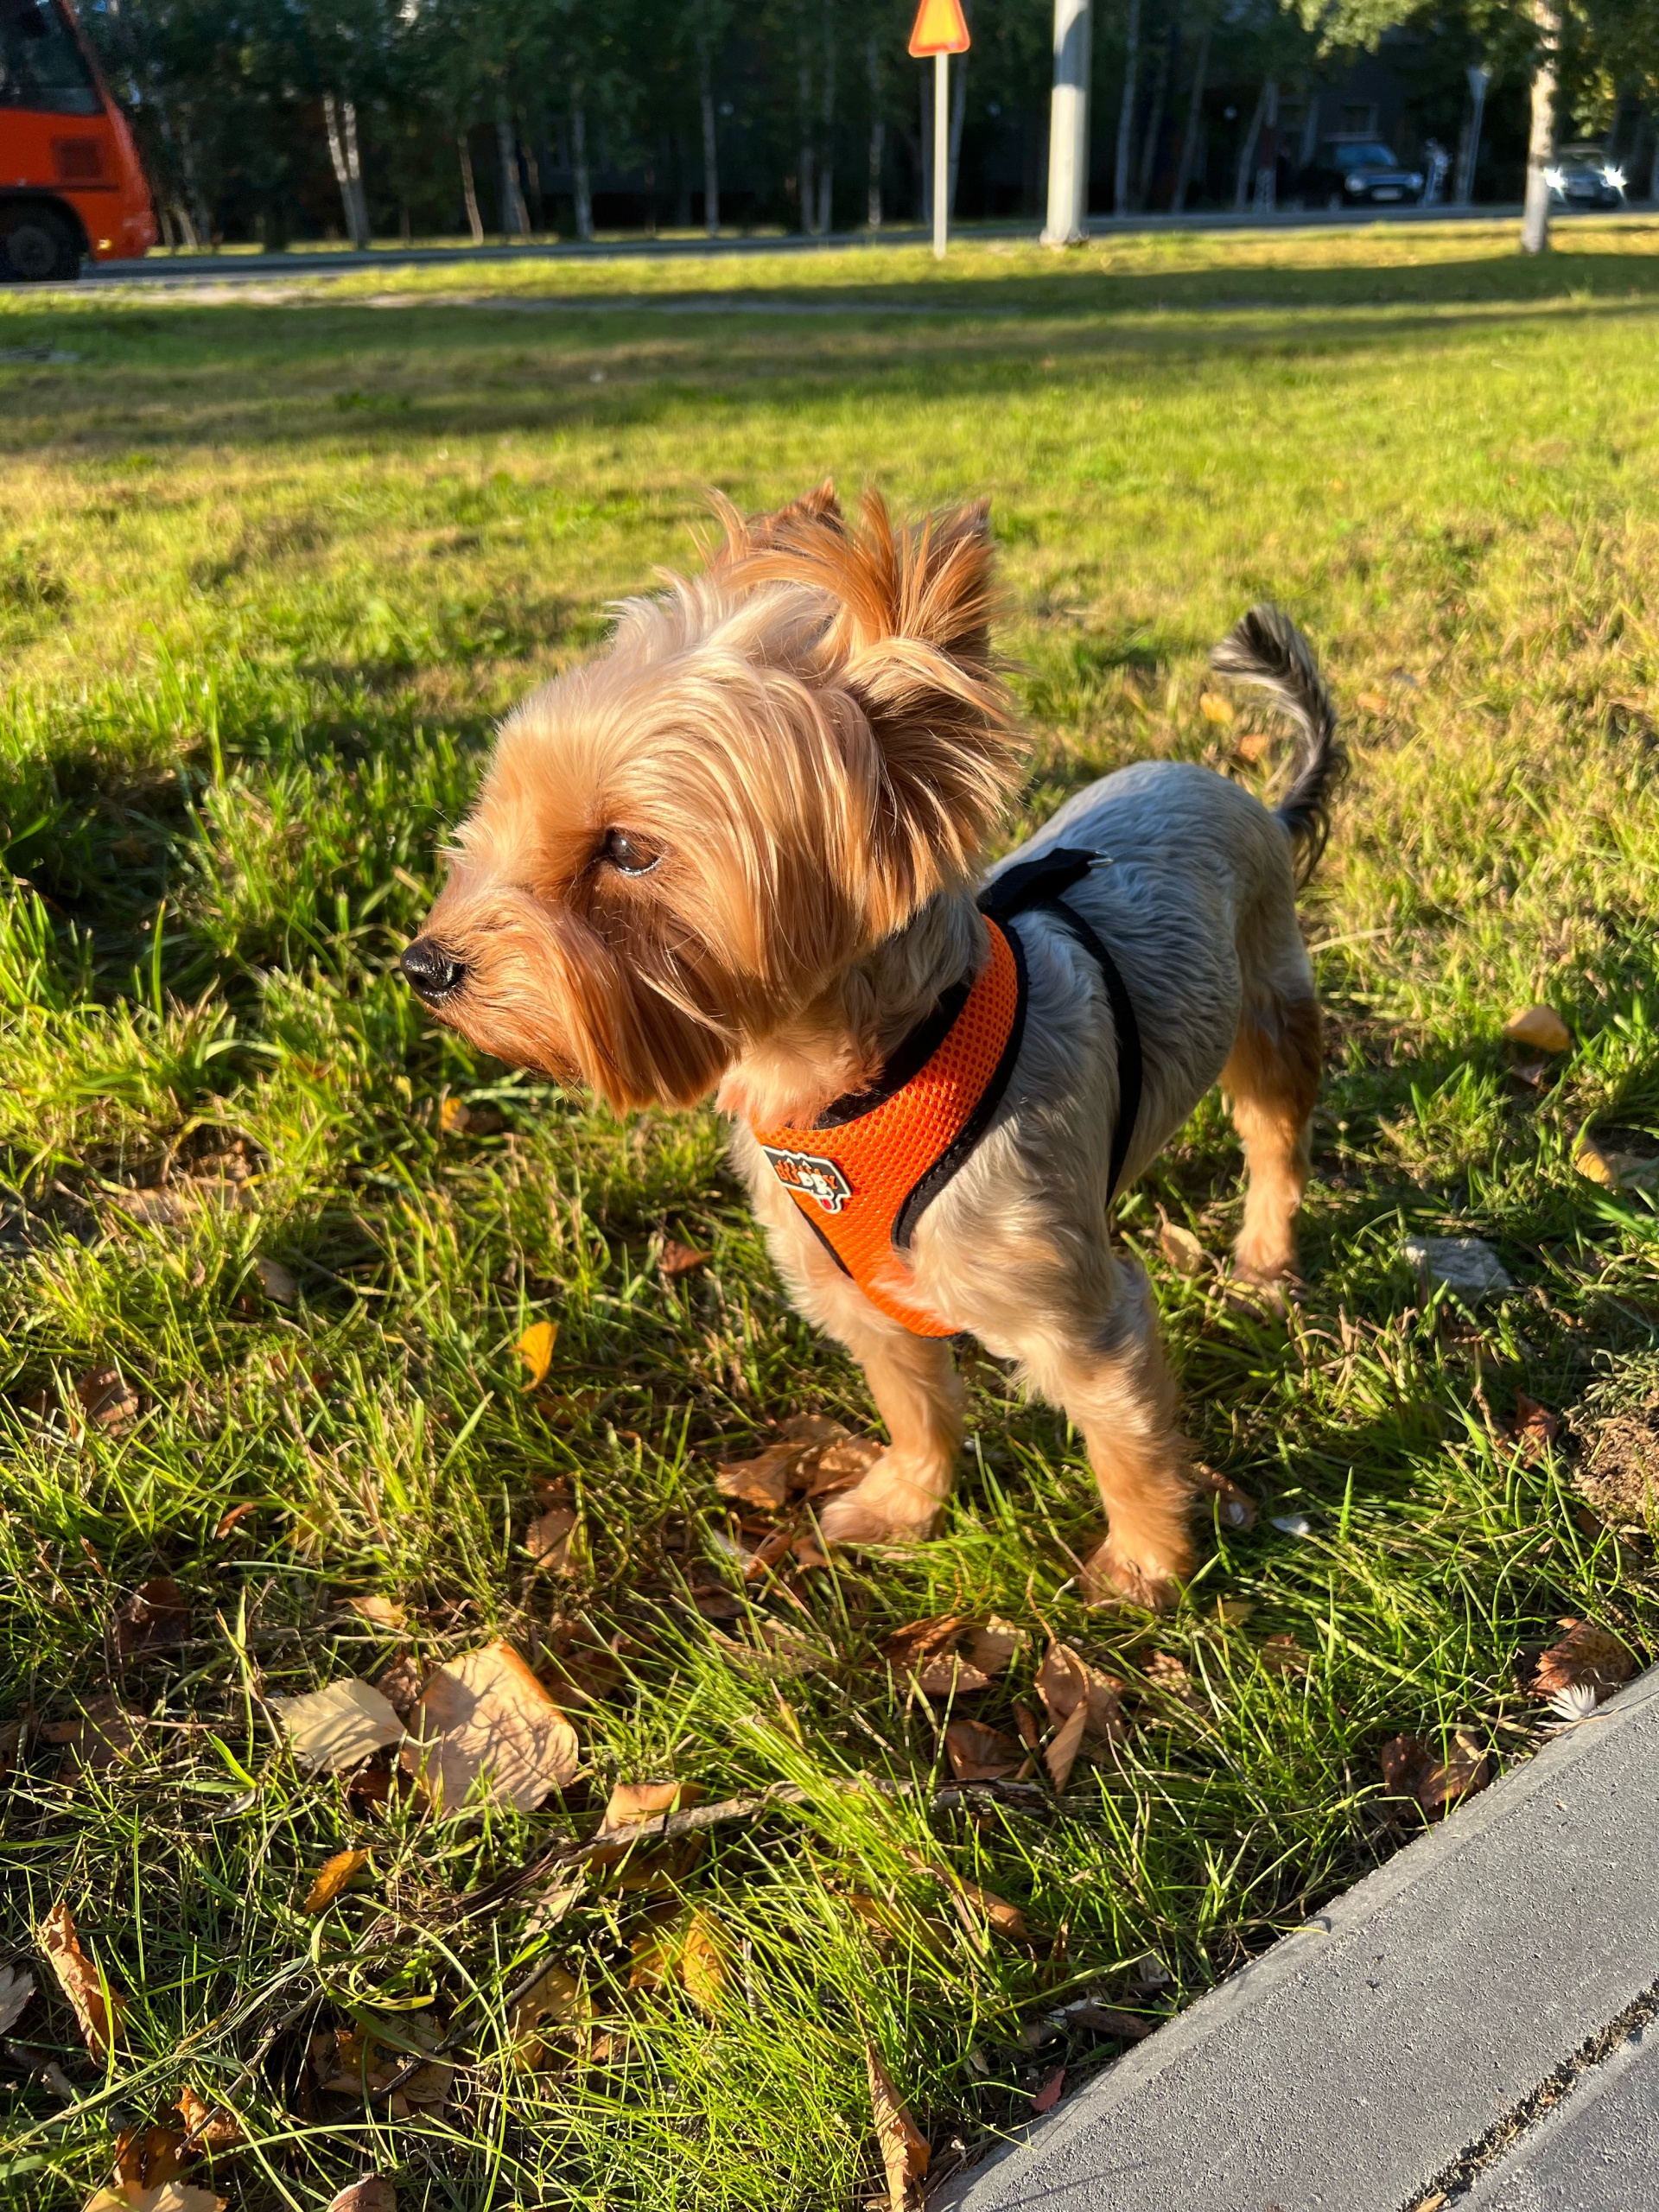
[{"x": 940, "y": 29}]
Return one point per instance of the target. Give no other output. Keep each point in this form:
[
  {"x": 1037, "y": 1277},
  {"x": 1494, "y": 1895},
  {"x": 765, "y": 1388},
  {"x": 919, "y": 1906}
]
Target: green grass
[{"x": 268, "y": 569}]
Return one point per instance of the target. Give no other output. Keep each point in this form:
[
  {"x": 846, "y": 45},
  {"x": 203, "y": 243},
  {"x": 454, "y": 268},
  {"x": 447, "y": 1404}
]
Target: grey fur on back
[{"x": 1265, "y": 648}]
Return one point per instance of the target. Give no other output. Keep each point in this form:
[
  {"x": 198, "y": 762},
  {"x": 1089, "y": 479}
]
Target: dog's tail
[{"x": 1266, "y": 648}]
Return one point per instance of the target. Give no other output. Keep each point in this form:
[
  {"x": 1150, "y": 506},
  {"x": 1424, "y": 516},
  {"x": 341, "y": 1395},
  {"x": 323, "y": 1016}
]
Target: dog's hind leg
[{"x": 1272, "y": 1080}]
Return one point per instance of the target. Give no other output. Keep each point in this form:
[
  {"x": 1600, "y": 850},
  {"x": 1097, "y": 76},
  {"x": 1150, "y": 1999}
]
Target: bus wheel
[{"x": 37, "y": 246}]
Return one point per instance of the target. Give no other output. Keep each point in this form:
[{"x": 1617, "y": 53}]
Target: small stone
[{"x": 1465, "y": 1264}]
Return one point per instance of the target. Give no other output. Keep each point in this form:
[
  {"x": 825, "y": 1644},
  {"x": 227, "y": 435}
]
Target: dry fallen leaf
[
  {"x": 1411, "y": 1769},
  {"x": 762, "y": 1482},
  {"x": 228, "y": 1520},
  {"x": 1215, "y": 708},
  {"x": 1061, "y": 1754},
  {"x": 1049, "y": 2096},
  {"x": 454, "y": 1116},
  {"x": 100, "y": 2022},
  {"x": 1371, "y": 703},
  {"x": 380, "y": 1610},
  {"x": 703, "y": 1964},
  {"x": 535, "y": 1348},
  {"x": 1586, "y": 1656},
  {"x": 340, "y": 1726},
  {"x": 280, "y": 1284},
  {"x": 107, "y": 1398},
  {"x": 170, "y": 2197},
  {"x": 1005, "y": 1918},
  {"x": 993, "y": 1645},
  {"x": 374, "y": 2194},
  {"x": 548, "y": 1539},
  {"x": 146, "y": 2158},
  {"x": 332, "y": 1879},
  {"x": 1251, "y": 745},
  {"x": 106, "y": 1733},
  {"x": 16, "y": 1988},
  {"x": 1535, "y": 1427},
  {"x": 980, "y": 1754},
  {"x": 904, "y": 2147},
  {"x": 155, "y": 1618},
  {"x": 676, "y": 1259},
  {"x": 1597, "y": 1166},
  {"x": 485, "y": 1715},
  {"x": 1067, "y": 1680},
  {"x": 555, "y": 1996},
  {"x": 1165, "y": 1672},
  {"x": 210, "y": 2127},
  {"x": 838, "y": 1466},
  {"x": 401, "y": 1682},
  {"x": 1539, "y": 1026},
  {"x": 1282, "y": 1654},
  {"x": 1181, "y": 1248}
]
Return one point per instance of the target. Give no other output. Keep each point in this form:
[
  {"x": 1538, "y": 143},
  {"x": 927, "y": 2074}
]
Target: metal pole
[
  {"x": 1068, "y": 129},
  {"x": 941, "y": 151}
]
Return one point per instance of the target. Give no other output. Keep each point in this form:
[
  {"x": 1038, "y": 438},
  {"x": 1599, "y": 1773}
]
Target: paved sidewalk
[{"x": 1417, "y": 2019}]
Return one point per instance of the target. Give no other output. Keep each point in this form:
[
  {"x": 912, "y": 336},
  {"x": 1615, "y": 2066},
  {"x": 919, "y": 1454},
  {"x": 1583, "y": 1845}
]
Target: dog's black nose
[{"x": 432, "y": 969}]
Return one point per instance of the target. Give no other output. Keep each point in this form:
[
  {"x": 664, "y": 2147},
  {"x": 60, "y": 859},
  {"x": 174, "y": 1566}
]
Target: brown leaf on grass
[
  {"x": 1584, "y": 1657},
  {"x": 1411, "y": 1769},
  {"x": 485, "y": 1715},
  {"x": 534, "y": 1349},
  {"x": 1536, "y": 1427},
  {"x": 993, "y": 1645},
  {"x": 380, "y": 1611},
  {"x": 1251, "y": 745},
  {"x": 1049, "y": 2096},
  {"x": 1006, "y": 1919},
  {"x": 1215, "y": 708},
  {"x": 905, "y": 2150},
  {"x": 228, "y": 1520},
  {"x": 1067, "y": 1680},
  {"x": 100, "y": 2020},
  {"x": 372, "y": 2057},
  {"x": 838, "y": 1466},
  {"x": 338, "y": 1727},
  {"x": 373, "y": 2194},
  {"x": 1282, "y": 1654},
  {"x": 676, "y": 1259},
  {"x": 280, "y": 1284},
  {"x": 332, "y": 1879},
  {"x": 555, "y": 1997},
  {"x": 1165, "y": 1672},
  {"x": 16, "y": 1988},
  {"x": 107, "y": 1399},
  {"x": 1181, "y": 1248},
  {"x": 980, "y": 1754},
  {"x": 762, "y": 1482},
  {"x": 169, "y": 2196},
  {"x": 1235, "y": 1508},
  {"x": 106, "y": 1733},
  {"x": 401, "y": 1682},
  {"x": 548, "y": 1538},
  {"x": 1371, "y": 703},
  {"x": 148, "y": 2158},
  {"x": 704, "y": 1962},
  {"x": 155, "y": 1618},
  {"x": 1111, "y": 2020},
  {"x": 210, "y": 2127},
  {"x": 1539, "y": 1026},
  {"x": 1061, "y": 1754}
]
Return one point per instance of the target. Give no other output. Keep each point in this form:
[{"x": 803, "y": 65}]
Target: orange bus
[{"x": 71, "y": 184}]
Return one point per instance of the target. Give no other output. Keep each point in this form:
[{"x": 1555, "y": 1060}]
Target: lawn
[{"x": 269, "y": 565}]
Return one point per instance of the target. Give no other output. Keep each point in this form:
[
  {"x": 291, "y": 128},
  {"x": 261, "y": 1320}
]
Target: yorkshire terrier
[{"x": 741, "y": 852}]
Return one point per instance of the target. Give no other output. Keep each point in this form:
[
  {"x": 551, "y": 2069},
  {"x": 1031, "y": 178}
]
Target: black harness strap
[{"x": 1034, "y": 887}]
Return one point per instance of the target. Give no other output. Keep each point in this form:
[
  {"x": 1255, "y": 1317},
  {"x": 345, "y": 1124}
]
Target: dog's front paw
[
  {"x": 1112, "y": 1575},
  {"x": 895, "y": 1504}
]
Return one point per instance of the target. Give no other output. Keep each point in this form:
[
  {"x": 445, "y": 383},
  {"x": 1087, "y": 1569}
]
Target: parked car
[
  {"x": 1354, "y": 174},
  {"x": 1582, "y": 176}
]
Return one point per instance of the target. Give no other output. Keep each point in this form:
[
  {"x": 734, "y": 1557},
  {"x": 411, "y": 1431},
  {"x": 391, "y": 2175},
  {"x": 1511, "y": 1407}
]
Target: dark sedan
[
  {"x": 1358, "y": 174},
  {"x": 1582, "y": 176}
]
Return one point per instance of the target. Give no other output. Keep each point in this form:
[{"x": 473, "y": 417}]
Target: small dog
[{"x": 741, "y": 852}]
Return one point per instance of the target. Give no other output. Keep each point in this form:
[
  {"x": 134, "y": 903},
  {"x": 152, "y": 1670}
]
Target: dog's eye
[{"x": 628, "y": 855}]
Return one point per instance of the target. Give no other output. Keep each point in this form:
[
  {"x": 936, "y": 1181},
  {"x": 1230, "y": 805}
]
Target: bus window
[{"x": 40, "y": 65}]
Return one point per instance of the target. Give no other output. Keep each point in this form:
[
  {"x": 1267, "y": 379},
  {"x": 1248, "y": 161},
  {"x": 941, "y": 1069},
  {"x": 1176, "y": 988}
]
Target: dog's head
[{"x": 679, "y": 846}]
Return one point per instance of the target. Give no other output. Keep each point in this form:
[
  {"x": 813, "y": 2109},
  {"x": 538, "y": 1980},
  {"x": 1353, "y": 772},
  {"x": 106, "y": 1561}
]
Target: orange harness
[{"x": 863, "y": 1172}]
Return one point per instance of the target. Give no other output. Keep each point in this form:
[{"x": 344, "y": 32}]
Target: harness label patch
[{"x": 817, "y": 1178}]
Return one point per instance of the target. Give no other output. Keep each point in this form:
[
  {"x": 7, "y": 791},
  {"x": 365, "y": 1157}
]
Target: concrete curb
[{"x": 1365, "y": 2053}]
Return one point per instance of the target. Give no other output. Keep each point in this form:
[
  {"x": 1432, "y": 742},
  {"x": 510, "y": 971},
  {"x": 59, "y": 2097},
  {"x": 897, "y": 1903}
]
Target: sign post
[{"x": 941, "y": 30}]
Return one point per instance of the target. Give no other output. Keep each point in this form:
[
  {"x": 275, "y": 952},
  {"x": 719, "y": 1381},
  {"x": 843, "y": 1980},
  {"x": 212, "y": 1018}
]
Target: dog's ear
[
  {"x": 818, "y": 510},
  {"x": 910, "y": 648}
]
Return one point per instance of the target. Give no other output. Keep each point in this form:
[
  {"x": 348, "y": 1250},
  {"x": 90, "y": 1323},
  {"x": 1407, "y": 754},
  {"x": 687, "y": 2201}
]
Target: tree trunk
[
  {"x": 1068, "y": 127},
  {"x": 710, "y": 150},
  {"x": 469, "y": 188},
  {"x": 515, "y": 218},
  {"x": 340, "y": 117},
  {"x": 827, "y": 124},
  {"x": 1155, "y": 120},
  {"x": 878, "y": 131},
  {"x": 1541, "y": 142},
  {"x": 1247, "y": 154},
  {"x": 1266, "y": 155},
  {"x": 1126, "y": 111},
  {"x": 1194, "y": 123},
  {"x": 580, "y": 177},
  {"x": 808, "y": 167}
]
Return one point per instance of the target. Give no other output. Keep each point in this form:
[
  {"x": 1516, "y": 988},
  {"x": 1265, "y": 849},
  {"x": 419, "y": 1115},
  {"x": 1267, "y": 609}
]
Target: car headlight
[
  {"x": 1357, "y": 180},
  {"x": 1614, "y": 177},
  {"x": 1556, "y": 180},
  {"x": 1414, "y": 180}
]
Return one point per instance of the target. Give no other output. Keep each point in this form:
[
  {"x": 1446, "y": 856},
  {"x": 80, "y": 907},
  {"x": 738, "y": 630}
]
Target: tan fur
[{"x": 812, "y": 742}]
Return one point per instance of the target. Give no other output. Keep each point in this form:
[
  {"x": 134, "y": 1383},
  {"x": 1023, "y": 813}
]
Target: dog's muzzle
[{"x": 434, "y": 970}]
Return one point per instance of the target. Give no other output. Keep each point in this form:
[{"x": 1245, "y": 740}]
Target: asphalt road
[{"x": 191, "y": 268}]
